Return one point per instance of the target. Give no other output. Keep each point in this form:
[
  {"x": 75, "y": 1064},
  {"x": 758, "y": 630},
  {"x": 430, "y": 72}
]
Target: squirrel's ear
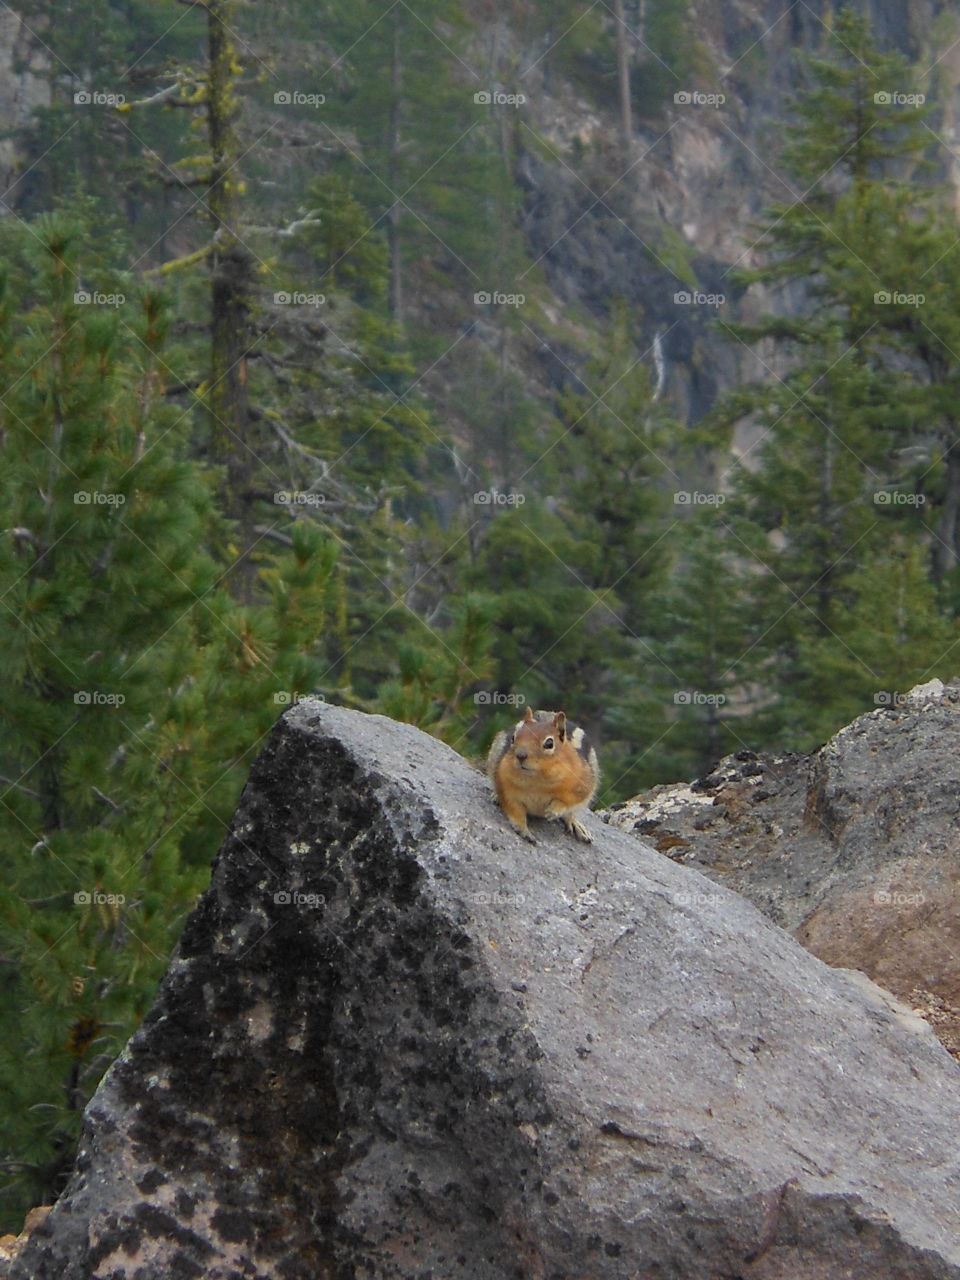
[
  {"x": 528, "y": 715},
  {"x": 560, "y": 720}
]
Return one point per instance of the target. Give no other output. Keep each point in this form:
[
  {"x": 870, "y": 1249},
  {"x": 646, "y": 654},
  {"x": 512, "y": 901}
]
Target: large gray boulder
[
  {"x": 853, "y": 849},
  {"x": 398, "y": 1041}
]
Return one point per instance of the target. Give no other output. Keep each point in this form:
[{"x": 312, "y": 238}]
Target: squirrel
[{"x": 545, "y": 767}]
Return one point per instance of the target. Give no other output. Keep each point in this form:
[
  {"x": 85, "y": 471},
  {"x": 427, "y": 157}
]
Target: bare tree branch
[{"x": 309, "y": 220}]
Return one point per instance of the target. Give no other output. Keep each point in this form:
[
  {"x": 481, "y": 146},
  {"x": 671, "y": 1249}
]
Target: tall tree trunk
[
  {"x": 393, "y": 174},
  {"x": 623, "y": 83},
  {"x": 824, "y": 579},
  {"x": 945, "y": 547},
  {"x": 231, "y": 285}
]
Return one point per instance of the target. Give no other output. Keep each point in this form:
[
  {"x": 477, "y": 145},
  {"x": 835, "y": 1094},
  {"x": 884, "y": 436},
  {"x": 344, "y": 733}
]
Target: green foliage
[
  {"x": 424, "y": 145},
  {"x": 704, "y": 638},
  {"x": 347, "y": 253},
  {"x": 94, "y": 62},
  {"x": 136, "y": 690},
  {"x": 574, "y": 578},
  {"x": 586, "y": 55},
  {"x": 887, "y": 638},
  {"x": 436, "y": 669},
  {"x": 824, "y": 492},
  {"x": 345, "y": 432},
  {"x": 675, "y": 252},
  {"x": 673, "y": 58},
  {"x": 848, "y": 118}
]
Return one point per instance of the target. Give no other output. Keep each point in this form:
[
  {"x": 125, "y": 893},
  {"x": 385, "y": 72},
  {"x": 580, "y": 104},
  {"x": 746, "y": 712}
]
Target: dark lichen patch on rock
[
  {"x": 151, "y": 1180},
  {"x": 160, "y": 1224}
]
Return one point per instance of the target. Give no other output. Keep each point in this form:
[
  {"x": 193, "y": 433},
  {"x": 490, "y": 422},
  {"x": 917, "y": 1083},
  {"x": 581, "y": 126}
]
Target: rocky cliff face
[
  {"x": 398, "y": 1041},
  {"x": 683, "y": 213},
  {"x": 677, "y": 217},
  {"x": 22, "y": 90}
]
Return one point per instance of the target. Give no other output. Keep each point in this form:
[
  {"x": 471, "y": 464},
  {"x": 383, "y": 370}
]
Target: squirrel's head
[{"x": 538, "y": 737}]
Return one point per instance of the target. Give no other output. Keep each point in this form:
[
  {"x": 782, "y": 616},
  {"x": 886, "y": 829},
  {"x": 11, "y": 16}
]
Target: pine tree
[
  {"x": 616, "y": 503},
  {"x": 918, "y": 331},
  {"x": 135, "y": 689},
  {"x": 346, "y": 433},
  {"x": 394, "y": 94},
  {"x": 548, "y": 621},
  {"x": 702, "y": 642},
  {"x": 888, "y": 638},
  {"x": 613, "y": 456},
  {"x": 437, "y": 670},
  {"x": 303, "y": 375},
  {"x": 832, "y": 428},
  {"x": 97, "y": 57},
  {"x": 573, "y": 576}
]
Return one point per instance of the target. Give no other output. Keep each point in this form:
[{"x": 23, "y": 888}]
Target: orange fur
[{"x": 536, "y": 770}]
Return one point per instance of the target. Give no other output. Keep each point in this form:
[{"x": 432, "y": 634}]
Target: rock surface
[
  {"x": 397, "y": 1041},
  {"x": 854, "y": 849},
  {"x": 24, "y": 89}
]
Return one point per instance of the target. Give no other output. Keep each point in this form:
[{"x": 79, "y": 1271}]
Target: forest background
[{"x": 371, "y": 350}]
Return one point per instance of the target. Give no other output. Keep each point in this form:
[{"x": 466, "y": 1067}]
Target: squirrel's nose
[{"x": 521, "y": 756}]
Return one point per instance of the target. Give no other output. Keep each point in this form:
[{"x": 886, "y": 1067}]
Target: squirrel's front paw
[{"x": 578, "y": 829}]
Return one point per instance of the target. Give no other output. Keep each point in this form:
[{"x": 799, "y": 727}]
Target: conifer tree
[
  {"x": 394, "y": 96},
  {"x": 136, "y": 690},
  {"x": 833, "y": 426},
  {"x": 616, "y": 503},
  {"x": 700, "y": 649},
  {"x": 78, "y": 141},
  {"x": 887, "y": 639},
  {"x": 303, "y": 382},
  {"x": 573, "y": 577}
]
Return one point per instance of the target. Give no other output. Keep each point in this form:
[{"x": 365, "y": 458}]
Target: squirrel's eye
[{"x": 548, "y": 744}]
